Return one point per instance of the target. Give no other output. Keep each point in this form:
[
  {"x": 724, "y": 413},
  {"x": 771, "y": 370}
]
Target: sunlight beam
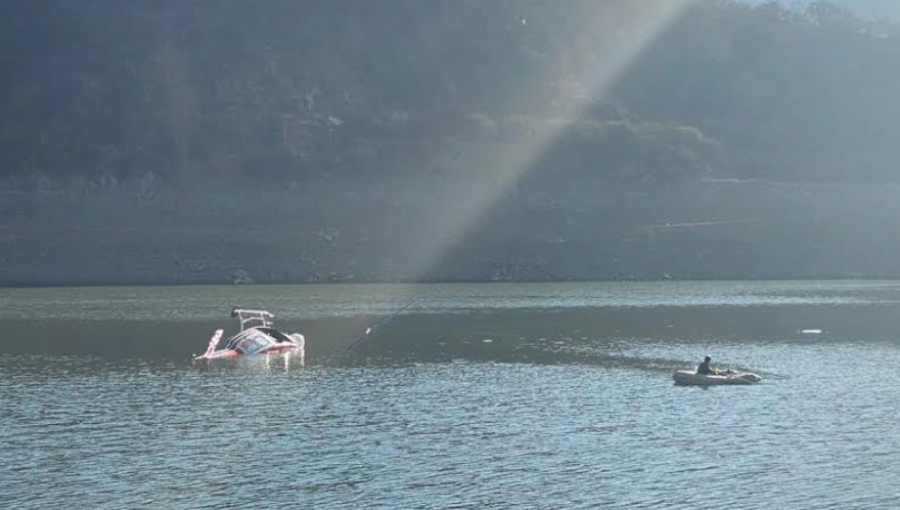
[{"x": 621, "y": 30}]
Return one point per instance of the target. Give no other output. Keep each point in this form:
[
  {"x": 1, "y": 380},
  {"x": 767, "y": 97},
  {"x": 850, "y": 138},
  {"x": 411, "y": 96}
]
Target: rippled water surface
[{"x": 476, "y": 396}]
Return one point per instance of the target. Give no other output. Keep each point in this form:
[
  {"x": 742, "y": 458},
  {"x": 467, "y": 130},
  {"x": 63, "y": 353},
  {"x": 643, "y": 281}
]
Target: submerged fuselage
[{"x": 262, "y": 339}]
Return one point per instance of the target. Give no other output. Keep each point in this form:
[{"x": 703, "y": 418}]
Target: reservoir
[{"x": 473, "y": 396}]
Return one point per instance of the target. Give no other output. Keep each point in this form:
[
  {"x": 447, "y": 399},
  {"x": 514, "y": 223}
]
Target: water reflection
[
  {"x": 568, "y": 407},
  {"x": 211, "y": 303},
  {"x": 300, "y": 360},
  {"x": 163, "y": 433},
  {"x": 283, "y": 362}
]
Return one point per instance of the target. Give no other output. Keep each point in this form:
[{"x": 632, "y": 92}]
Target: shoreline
[
  {"x": 824, "y": 279},
  {"x": 699, "y": 231}
]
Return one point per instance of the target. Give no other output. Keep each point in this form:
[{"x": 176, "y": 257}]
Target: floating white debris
[
  {"x": 488, "y": 341},
  {"x": 811, "y": 331}
]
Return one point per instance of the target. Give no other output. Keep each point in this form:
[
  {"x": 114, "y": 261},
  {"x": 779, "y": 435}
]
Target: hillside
[{"x": 447, "y": 140}]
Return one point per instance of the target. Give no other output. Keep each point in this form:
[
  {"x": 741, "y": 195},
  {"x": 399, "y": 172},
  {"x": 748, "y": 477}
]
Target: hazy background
[
  {"x": 862, "y": 8},
  {"x": 347, "y": 140}
]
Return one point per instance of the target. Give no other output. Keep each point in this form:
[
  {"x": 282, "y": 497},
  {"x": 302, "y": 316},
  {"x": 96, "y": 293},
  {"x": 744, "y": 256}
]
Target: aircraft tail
[{"x": 213, "y": 342}]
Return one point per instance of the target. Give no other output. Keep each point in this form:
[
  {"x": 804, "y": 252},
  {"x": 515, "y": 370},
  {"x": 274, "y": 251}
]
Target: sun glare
[{"x": 592, "y": 60}]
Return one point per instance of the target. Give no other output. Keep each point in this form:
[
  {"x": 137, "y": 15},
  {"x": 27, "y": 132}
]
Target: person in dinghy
[
  {"x": 704, "y": 375},
  {"x": 257, "y": 336},
  {"x": 704, "y": 368}
]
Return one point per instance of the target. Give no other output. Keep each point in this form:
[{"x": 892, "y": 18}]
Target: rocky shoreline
[{"x": 758, "y": 231}]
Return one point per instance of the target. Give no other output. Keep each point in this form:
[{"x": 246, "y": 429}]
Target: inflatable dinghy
[{"x": 691, "y": 377}]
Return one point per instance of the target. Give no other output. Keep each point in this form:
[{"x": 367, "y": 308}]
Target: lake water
[{"x": 475, "y": 396}]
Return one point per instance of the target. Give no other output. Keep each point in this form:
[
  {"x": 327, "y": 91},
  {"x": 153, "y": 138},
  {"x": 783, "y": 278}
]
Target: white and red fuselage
[{"x": 262, "y": 339}]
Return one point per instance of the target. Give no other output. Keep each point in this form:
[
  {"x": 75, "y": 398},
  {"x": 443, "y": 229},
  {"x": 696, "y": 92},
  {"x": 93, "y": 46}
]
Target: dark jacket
[{"x": 703, "y": 369}]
